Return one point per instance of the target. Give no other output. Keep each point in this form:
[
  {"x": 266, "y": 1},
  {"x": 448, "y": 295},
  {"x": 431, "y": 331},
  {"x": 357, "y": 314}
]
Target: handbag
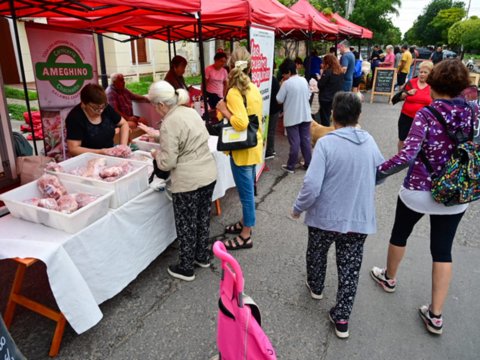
[
  {"x": 230, "y": 139},
  {"x": 459, "y": 180},
  {"x": 398, "y": 96}
]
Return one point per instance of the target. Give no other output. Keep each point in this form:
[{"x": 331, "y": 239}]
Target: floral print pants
[
  {"x": 349, "y": 253},
  {"x": 192, "y": 221}
]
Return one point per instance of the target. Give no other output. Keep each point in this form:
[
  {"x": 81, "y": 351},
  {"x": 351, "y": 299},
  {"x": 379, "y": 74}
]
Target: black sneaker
[
  {"x": 433, "y": 324},
  {"x": 341, "y": 326},
  {"x": 269, "y": 156},
  {"x": 178, "y": 273}
]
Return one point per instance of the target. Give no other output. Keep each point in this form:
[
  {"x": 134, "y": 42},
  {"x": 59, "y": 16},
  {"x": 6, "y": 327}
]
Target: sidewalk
[{"x": 159, "y": 318}]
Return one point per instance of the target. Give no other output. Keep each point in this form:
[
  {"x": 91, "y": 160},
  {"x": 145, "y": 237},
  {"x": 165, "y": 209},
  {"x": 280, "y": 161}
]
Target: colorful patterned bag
[{"x": 459, "y": 180}]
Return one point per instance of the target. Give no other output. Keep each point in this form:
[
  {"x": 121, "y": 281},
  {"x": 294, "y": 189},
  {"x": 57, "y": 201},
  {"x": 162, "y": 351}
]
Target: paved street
[{"x": 157, "y": 317}]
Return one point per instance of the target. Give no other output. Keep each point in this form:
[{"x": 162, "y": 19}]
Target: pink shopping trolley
[{"x": 239, "y": 333}]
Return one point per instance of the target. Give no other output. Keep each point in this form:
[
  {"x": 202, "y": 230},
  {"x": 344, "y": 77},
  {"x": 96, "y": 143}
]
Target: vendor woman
[{"x": 91, "y": 124}]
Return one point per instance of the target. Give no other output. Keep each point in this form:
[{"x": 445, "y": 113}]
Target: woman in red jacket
[{"x": 416, "y": 96}]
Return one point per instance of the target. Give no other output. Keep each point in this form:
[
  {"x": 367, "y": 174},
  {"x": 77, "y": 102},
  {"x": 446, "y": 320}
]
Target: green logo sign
[{"x": 56, "y": 72}]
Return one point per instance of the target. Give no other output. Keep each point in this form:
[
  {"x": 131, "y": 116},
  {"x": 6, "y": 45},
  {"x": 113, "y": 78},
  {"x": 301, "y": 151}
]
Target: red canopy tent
[
  {"x": 221, "y": 20},
  {"x": 329, "y": 29},
  {"x": 97, "y": 8},
  {"x": 348, "y": 28}
]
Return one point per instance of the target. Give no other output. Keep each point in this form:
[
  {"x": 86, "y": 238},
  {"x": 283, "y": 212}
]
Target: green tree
[
  {"x": 335, "y": 5},
  {"x": 465, "y": 33},
  {"x": 445, "y": 19},
  {"x": 375, "y": 15},
  {"x": 422, "y": 31}
]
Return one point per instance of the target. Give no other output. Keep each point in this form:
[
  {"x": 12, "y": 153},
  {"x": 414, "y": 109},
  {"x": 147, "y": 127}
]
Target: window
[{"x": 141, "y": 49}]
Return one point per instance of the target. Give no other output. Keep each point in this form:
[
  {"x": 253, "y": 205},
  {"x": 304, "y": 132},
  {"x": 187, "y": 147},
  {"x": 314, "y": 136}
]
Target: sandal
[
  {"x": 234, "y": 228},
  {"x": 233, "y": 244}
]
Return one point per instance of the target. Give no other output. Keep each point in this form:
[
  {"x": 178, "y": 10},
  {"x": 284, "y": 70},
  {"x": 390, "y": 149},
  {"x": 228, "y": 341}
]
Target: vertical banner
[
  {"x": 262, "y": 48},
  {"x": 63, "y": 62}
]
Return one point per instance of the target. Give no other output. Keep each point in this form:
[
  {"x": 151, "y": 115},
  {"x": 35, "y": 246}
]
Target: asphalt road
[{"x": 157, "y": 317}]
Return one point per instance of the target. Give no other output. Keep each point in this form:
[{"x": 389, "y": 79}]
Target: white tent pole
[
  {"x": 152, "y": 57},
  {"x": 136, "y": 59}
]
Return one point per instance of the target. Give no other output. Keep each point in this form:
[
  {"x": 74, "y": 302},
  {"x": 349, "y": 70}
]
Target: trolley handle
[{"x": 221, "y": 252}]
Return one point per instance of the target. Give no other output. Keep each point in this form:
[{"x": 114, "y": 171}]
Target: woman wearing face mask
[
  {"x": 91, "y": 124},
  {"x": 185, "y": 153}
]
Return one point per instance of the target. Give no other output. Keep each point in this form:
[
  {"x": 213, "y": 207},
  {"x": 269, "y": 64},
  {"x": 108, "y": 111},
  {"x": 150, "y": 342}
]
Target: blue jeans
[{"x": 244, "y": 177}]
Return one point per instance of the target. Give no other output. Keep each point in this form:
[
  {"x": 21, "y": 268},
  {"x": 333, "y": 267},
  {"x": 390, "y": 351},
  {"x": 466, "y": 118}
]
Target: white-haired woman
[
  {"x": 243, "y": 99},
  {"x": 185, "y": 153}
]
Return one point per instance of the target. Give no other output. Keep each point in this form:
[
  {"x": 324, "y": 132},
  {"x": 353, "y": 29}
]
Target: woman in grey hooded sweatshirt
[{"x": 338, "y": 198}]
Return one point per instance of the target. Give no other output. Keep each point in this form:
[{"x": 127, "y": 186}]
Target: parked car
[
  {"x": 424, "y": 53},
  {"x": 448, "y": 54}
]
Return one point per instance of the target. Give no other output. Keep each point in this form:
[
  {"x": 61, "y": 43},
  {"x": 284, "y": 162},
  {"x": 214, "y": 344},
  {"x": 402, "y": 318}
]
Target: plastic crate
[
  {"x": 145, "y": 145},
  {"x": 124, "y": 188},
  {"x": 70, "y": 223}
]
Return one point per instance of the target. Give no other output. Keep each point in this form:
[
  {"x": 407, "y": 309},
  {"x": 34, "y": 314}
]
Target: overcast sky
[{"x": 410, "y": 10}]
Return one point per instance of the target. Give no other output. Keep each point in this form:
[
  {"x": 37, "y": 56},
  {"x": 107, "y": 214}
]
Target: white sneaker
[
  {"x": 312, "y": 294},
  {"x": 433, "y": 324},
  {"x": 378, "y": 275}
]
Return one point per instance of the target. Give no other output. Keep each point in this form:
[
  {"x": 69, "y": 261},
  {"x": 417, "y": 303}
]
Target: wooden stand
[
  {"x": 15, "y": 298},
  {"x": 384, "y": 81}
]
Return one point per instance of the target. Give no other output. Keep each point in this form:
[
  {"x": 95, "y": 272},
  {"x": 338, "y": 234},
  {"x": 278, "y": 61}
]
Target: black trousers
[
  {"x": 192, "y": 221},
  {"x": 442, "y": 230},
  {"x": 325, "y": 112},
  {"x": 349, "y": 252}
]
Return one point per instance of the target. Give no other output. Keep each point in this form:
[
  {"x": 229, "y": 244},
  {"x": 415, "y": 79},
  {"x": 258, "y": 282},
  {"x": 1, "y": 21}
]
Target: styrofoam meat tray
[
  {"x": 124, "y": 188},
  {"x": 70, "y": 223}
]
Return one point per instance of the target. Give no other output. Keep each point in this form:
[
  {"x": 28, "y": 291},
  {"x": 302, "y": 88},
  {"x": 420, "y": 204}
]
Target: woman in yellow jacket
[{"x": 243, "y": 99}]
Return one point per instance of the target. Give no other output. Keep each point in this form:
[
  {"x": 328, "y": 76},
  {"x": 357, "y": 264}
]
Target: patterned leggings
[
  {"x": 349, "y": 251},
  {"x": 192, "y": 221}
]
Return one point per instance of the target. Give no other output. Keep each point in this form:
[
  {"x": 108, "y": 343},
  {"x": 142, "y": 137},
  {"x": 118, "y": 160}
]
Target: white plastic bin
[
  {"x": 70, "y": 223},
  {"x": 125, "y": 188},
  {"x": 145, "y": 145}
]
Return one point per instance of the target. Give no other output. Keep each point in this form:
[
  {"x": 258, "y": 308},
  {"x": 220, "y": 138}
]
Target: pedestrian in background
[
  {"x": 347, "y": 61},
  {"x": 275, "y": 109},
  {"x": 331, "y": 82},
  {"x": 295, "y": 95},
  {"x": 338, "y": 196},
  {"x": 416, "y": 96},
  {"x": 404, "y": 66}
]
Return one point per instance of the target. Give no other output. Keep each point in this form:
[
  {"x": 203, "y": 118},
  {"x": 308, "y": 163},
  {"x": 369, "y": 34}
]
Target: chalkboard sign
[
  {"x": 8, "y": 349},
  {"x": 383, "y": 82}
]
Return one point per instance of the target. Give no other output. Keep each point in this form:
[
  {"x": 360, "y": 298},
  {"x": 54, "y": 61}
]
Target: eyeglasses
[{"x": 97, "y": 108}]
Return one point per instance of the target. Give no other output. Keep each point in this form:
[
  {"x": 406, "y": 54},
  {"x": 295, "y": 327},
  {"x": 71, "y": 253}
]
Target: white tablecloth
[
  {"x": 224, "y": 170},
  {"x": 95, "y": 264}
]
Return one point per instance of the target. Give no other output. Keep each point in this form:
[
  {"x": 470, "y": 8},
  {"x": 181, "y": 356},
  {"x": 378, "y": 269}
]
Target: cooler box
[
  {"x": 124, "y": 188},
  {"x": 70, "y": 223}
]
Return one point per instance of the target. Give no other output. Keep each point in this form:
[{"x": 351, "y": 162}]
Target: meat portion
[
  {"x": 122, "y": 151},
  {"x": 50, "y": 187},
  {"x": 112, "y": 171},
  {"x": 94, "y": 167},
  {"x": 53, "y": 166},
  {"x": 48, "y": 203},
  {"x": 84, "y": 199},
  {"x": 67, "y": 204}
]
